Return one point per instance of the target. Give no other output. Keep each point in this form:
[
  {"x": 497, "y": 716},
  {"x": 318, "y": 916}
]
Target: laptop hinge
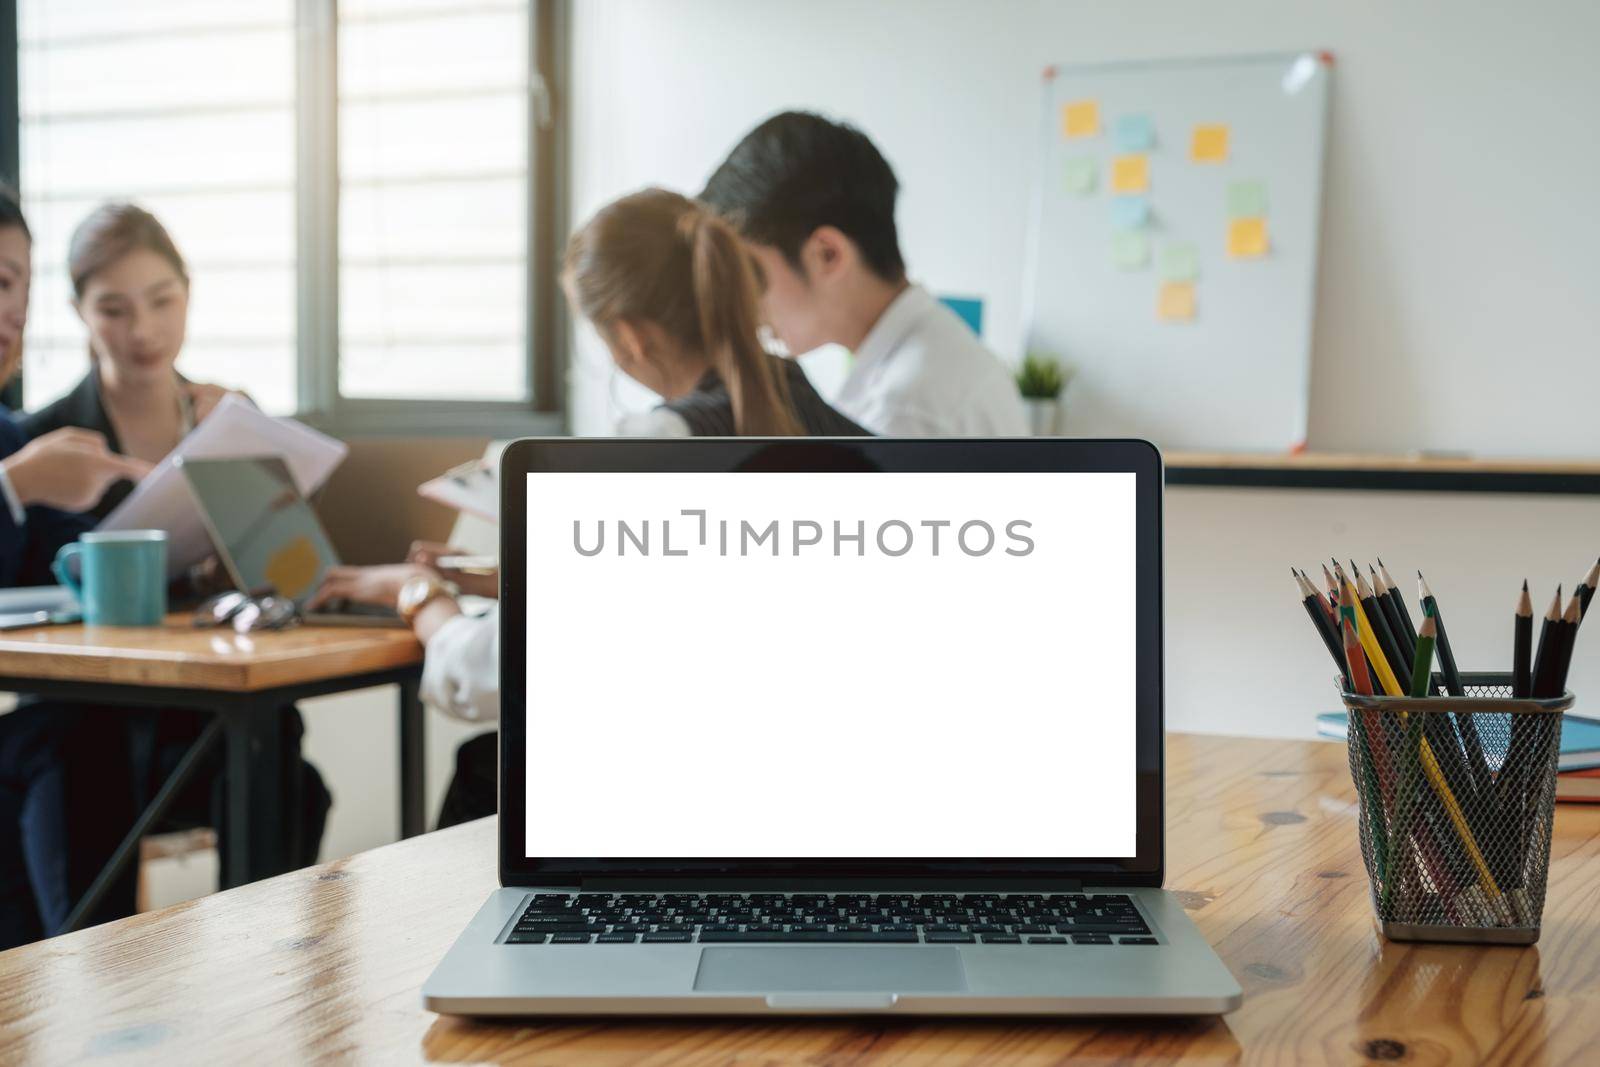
[{"x": 604, "y": 884}]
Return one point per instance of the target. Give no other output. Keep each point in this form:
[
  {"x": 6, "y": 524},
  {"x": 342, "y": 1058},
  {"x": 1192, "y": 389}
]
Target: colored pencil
[
  {"x": 1379, "y": 777},
  {"x": 1349, "y": 611},
  {"x": 1522, "y": 646},
  {"x": 1429, "y": 758},
  {"x": 1356, "y": 660},
  {"x": 1333, "y": 588},
  {"x": 1422, "y": 665}
]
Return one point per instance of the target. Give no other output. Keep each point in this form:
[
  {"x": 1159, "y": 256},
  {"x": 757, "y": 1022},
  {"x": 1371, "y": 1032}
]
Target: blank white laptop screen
[{"x": 839, "y": 665}]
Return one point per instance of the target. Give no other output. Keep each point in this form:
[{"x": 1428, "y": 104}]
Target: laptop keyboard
[{"x": 888, "y": 918}]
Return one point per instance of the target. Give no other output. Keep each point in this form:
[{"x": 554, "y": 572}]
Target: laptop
[
  {"x": 267, "y": 536},
  {"x": 831, "y": 726}
]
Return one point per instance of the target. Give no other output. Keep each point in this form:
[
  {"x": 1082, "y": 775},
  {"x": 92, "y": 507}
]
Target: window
[
  {"x": 356, "y": 187},
  {"x": 187, "y": 108},
  {"x": 433, "y": 180}
]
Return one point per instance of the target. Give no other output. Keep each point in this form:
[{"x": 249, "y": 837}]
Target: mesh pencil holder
[{"x": 1457, "y": 795}]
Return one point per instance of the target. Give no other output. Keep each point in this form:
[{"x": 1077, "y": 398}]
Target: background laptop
[
  {"x": 267, "y": 536},
  {"x": 830, "y": 726}
]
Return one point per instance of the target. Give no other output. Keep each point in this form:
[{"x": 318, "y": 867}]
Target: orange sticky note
[
  {"x": 1080, "y": 118},
  {"x": 1209, "y": 144},
  {"x": 1247, "y": 238},
  {"x": 1175, "y": 302},
  {"x": 1130, "y": 174}
]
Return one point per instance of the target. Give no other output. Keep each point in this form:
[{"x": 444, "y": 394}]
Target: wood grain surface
[
  {"x": 326, "y": 963},
  {"x": 177, "y": 654}
]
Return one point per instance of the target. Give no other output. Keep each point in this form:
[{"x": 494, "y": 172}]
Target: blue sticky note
[
  {"x": 1135, "y": 133},
  {"x": 1130, "y": 212},
  {"x": 968, "y": 308}
]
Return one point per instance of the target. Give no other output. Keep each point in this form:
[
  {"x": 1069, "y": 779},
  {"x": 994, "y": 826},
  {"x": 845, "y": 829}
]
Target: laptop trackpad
[{"x": 843, "y": 970}]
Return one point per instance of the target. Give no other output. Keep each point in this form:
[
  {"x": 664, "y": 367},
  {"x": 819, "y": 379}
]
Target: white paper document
[
  {"x": 235, "y": 429},
  {"x": 472, "y": 487}
]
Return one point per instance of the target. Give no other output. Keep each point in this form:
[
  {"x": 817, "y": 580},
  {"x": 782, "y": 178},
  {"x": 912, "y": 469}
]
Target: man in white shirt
[{"x": 814, "y": 200}]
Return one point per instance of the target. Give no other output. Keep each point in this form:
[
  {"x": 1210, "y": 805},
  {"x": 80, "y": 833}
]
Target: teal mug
[{"x": 121, "y": 579}]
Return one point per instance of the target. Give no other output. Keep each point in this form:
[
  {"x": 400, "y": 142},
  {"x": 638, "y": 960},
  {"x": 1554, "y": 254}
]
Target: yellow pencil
[{"x": 1369, "y": 643}]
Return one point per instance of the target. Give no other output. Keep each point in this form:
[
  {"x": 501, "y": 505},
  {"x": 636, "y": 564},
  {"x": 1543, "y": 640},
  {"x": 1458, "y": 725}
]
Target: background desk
[
  {"x": 1336, "y": 470},
  {"x": 329, "y": 961},
  {"x": 244, "y": 680}
]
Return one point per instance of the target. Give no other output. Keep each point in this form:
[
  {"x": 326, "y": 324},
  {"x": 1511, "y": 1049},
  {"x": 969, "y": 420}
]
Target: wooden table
[
  {"x": 328, "y": 962},
  {"x": 246, "y": 680}
]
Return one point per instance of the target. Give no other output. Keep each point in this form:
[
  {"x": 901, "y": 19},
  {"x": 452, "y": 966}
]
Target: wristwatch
[{"x": 420, "y": 591}]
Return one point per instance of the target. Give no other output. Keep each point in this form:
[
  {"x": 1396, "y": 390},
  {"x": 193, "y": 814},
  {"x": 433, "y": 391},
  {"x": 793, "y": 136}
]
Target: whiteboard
[{"x": 1204, "y": 341}]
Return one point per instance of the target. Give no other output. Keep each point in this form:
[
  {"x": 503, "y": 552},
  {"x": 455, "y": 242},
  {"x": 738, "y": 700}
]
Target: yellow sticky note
[
  {"x": 1080, "y": 118},
  {"x": 1130, "y": 174},
  {"x": 1247, "y": 238},
  {"x": 1209, "y": 144},
  {"x": 1175, "y": 302}
]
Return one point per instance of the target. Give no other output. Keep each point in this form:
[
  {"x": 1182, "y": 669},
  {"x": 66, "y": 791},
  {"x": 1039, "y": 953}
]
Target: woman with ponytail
[{"x": 674, "y": 296}]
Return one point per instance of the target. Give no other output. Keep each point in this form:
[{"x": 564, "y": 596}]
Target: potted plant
[{"x": 1040, "y": 380}]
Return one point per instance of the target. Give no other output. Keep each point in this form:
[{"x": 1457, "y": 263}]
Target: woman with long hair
[{"x": 130, "y": 287}]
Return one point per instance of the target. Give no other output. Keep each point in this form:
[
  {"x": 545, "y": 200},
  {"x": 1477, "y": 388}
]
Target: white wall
[
  {"x": 1241, "y": 655},
  {"x": 1458, "y": 274},
  {"x": 1459, "y": 267}
]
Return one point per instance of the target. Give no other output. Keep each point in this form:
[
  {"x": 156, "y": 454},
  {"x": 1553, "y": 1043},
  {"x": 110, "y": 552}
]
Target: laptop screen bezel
[{"x": 629, "y": 455}]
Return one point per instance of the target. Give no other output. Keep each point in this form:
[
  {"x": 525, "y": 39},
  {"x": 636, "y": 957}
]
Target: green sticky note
[
  {"x": 1180, "y": 263},
  {"x": 1247, "y": 200},
  {"x": 1079, "y": 176},
  {"x": 1130, "y": 250}
]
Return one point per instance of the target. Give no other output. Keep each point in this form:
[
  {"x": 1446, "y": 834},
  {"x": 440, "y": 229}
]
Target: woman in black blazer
[{"x": 131, "y": 289}]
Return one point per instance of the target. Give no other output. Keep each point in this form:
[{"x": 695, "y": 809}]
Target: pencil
[
  {"x": 1400, "y": 605},
  {"x": 1549, "y": 680},
  {"x": 1405, "y": 646},
  {"x": 1422, "y": 665},
  {"x": 1349, "y": 612},
  {"x": 1380, "y": 631},
  {"x": 1585, "y": 590},
  {"x": 1428, "y": 757},
  {"x": 1544, "y": 660},
  {"x": 1319, "y": 618},
  {"x": 1330, "y": 608},
  {"x": 1369, "y": 734},
  {"x": 1522, "y": 646},
  {"x": 1511, "y": 787},
  {"x": 1477, "y": 764},
  {"x": 1333, "y": 588},
  {"x": 1570, "y": 620},
  {"x": 1447, "y": 657}
]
